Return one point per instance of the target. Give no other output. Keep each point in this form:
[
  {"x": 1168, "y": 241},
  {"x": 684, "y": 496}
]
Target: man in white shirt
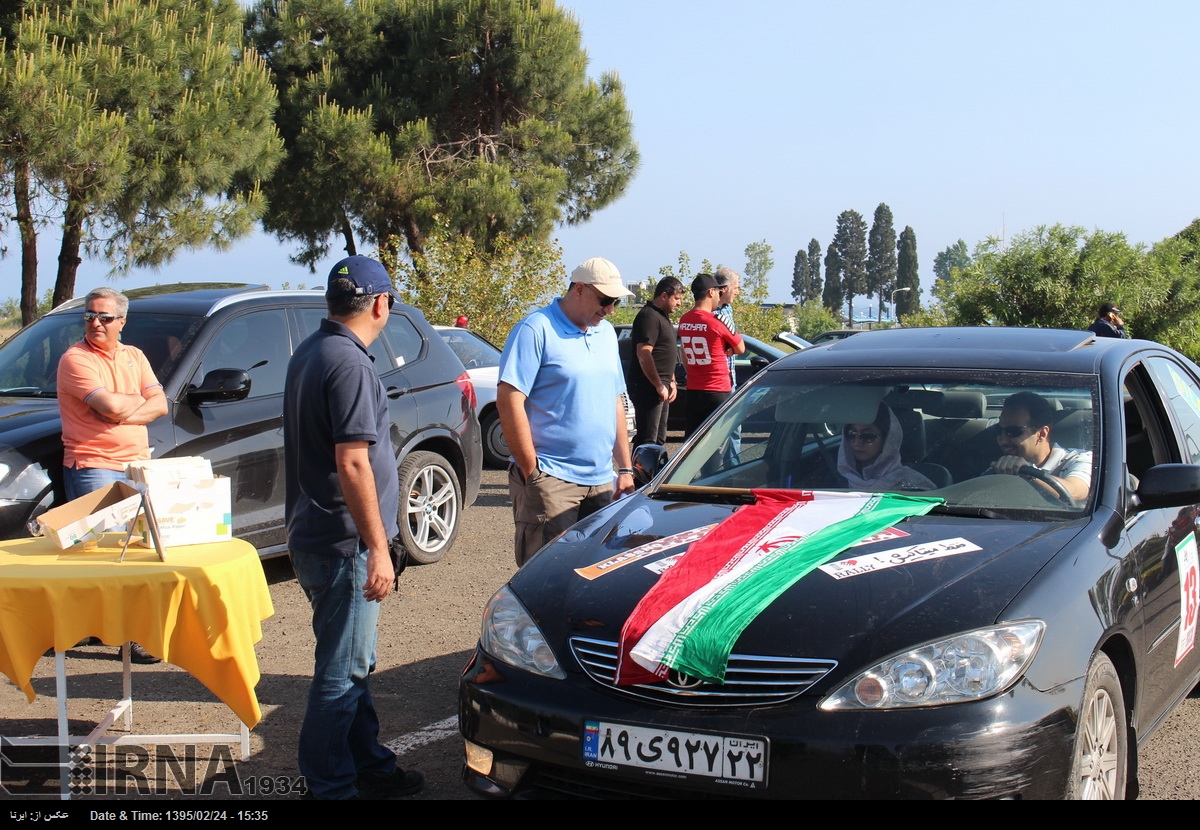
[{"x": 1024, "y": 438}]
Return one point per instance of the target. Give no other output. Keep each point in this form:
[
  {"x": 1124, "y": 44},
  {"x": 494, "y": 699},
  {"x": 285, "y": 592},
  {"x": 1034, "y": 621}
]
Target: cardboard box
[
  {"x": 191, "y": 512},
  {"x": 80, "y": 522}
]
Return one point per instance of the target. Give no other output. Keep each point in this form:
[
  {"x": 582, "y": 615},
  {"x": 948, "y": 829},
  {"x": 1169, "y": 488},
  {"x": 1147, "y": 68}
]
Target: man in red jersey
[{"x": 706, "y": 344}]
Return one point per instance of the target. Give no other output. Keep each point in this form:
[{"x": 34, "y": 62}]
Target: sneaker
[
  {"x": 399, "y": 784},
  {"x": 139, "y": 655}
]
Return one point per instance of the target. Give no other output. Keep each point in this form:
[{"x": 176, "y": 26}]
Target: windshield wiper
[
  {"x": 708, "y": 495},
  {"x": 28, "y": 392},
  {"x": 971, "y": 512}
]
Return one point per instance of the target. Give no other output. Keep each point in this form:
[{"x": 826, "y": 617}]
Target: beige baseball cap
[{"x": 601, "y": 273}]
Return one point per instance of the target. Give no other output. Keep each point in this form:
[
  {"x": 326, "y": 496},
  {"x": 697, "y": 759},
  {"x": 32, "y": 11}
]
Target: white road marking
[{"x": 425, "y": 735}]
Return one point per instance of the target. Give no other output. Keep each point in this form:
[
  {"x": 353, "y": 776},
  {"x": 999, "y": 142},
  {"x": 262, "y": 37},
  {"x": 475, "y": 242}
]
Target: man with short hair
[
  {"x": 650, "y": 378},
  {"x": 559, "y": 399},
  {"x": 1108, "y": 322},
  {"x": 730, "y": 282},
  {"x": 1023, "y": 434},
  {"x": 342, "y": 508},
  {"x": 107, "y": 394},
  {"x": 706, "y": 344}
]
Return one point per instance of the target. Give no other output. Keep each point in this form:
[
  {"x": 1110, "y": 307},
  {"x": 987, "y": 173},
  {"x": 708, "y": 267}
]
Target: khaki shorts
[{"x": 545, "y": 506}]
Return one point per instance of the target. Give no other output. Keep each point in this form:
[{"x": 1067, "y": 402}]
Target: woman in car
[{"x": 870, "y": 456}]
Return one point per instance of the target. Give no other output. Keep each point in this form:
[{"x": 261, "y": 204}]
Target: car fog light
[{"x": 478, "y": 758}]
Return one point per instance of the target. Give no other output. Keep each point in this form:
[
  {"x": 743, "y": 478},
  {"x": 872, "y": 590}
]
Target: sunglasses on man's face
[
  {"x": 605, "y": 300},
  {"x": 862, "y": 437},
  {"x": 105, "y": 319},
  {"x": 1012, "y": 432}
]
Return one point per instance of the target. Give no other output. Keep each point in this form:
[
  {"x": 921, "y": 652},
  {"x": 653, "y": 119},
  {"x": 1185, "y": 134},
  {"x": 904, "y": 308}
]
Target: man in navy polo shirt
[{"x": 342, "y": 508}]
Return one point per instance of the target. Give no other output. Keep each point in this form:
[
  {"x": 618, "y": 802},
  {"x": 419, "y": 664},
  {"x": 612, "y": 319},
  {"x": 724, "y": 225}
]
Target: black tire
[
  {"x": 1100, "y": 759},
  {"x": 430, "y": 507},
  {"x": 495, "y": 448}
]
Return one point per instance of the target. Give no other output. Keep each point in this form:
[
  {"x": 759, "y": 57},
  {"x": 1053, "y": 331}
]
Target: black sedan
[{"x": 762, "y": 624}]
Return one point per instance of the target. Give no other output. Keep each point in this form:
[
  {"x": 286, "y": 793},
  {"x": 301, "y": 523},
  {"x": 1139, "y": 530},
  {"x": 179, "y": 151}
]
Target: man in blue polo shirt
[
  {"x": 559, "y": 400},
  {"x": 343, "y": 500}
]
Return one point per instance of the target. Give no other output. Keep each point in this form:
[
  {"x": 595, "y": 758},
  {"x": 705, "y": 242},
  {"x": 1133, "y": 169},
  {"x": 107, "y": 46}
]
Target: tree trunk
[
  {"x": 68, "y": 254},
  {"x": 29, "y": 262},
  {"x": 348, "y": 235}
]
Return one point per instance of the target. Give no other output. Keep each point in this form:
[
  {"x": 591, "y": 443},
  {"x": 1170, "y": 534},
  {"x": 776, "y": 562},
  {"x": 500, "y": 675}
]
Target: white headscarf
[{"x": 885, "y": 472}]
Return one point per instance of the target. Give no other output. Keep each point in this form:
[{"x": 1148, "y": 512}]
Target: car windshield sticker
[
  {"x": 642, "y": 551},
  {"x": 872, "y": 562},
  {"x": 691, "y": 617},
  {"x": 1189, "y": 596}
]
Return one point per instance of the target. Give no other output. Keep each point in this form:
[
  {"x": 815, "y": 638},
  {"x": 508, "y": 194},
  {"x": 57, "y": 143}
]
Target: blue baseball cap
[{"x": 368, "y": 276}]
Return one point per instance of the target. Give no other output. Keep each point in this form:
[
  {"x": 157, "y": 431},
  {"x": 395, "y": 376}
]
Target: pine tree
[
  {"x": 147, "y": 124},
  {"x": 881, "y": 256},
  {"x": 400, "y": 114},
  {"x": 814, "y": 271},
  {"x": 907, "y": 275},
  {"x": 800, "y": 276},
  {"x": 850, "y": 242},
  {"x": 832, "y": 296}
]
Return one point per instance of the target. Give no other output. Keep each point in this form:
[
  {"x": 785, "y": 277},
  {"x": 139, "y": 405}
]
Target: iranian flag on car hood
[{"x": 690, "y": 619}]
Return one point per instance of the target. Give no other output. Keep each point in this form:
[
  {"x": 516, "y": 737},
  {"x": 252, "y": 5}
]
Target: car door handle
[{"x": 394, "y": 392}]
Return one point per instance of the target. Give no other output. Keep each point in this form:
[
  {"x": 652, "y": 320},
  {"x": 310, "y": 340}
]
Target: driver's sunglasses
[
  {"x": 105, "y": 319},
  {"x": 605, "y": 300},
  {"x": 862, "y": 437},
  {"x": 1012, "y": 432}
]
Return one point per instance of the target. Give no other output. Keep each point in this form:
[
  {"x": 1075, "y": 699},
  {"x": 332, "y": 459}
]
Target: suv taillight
[{"x": 468, "y": 388}]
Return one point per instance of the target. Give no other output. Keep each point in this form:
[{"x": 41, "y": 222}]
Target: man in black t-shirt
[{"x": 650, "y": 376}]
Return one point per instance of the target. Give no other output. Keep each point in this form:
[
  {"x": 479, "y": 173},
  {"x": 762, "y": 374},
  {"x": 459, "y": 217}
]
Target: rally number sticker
[{"x": 1189, "y": 596}]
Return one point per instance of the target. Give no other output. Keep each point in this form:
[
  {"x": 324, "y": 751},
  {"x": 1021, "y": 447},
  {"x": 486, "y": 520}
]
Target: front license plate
[{"x": 737, "y": 760}]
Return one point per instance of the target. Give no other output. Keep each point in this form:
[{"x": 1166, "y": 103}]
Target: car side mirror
[
  {"x": 220, "y": 385},
  {"x": 1168, "y": 485},
  {"x": 648, "y": 461}
]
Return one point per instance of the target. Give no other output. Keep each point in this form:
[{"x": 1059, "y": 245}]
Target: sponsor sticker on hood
[{"x": 858, "y": 565}]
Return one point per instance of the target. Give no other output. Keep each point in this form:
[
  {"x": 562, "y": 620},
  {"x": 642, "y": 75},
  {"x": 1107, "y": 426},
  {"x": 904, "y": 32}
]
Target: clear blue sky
[{"x": 765, "y": 119}]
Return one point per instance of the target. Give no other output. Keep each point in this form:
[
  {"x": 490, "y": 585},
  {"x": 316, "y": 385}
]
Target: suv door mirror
[{"x": 220, "y": 385}]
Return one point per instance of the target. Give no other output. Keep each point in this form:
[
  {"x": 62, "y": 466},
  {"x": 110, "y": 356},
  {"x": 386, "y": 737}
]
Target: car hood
[
  {"x": 26, "y": 419},
  {"x": 582, "y": 585}
]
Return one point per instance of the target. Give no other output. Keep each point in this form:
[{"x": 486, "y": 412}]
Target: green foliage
[
  {"x": 145, "y": 126},
  {"x": 907, "y": 276},
  {"x": 946, "y": 265},
  {"x": 759, "y": 263},
  {"x": 397, "y": 111},
  {"x": 833, "y": 296},
  {"x": 850, "y": 242},
  {"x": 881, "y": 257},
  {"x": 800, "y": 276},
  {"x": 812, "y": 318},
  {"x": 495, "y": 289},
  {"x": 926, "y": 317},
  {"x": 685, "y": 273}
]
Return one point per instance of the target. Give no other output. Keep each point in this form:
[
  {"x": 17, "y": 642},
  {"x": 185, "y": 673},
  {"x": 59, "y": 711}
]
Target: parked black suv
[{"x": 221, "y": 351}]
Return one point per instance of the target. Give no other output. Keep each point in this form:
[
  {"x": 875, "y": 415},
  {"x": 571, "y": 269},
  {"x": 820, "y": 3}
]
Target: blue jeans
[
  {"x": 339, "y": 738},
  {"x": 84, "y": 480}
]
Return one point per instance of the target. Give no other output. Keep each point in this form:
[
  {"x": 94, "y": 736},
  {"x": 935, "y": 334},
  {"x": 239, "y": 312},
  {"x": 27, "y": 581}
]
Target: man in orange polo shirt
[{"x": 107, "y": 393}]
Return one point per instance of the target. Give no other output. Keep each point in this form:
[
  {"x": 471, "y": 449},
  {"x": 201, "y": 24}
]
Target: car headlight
[
  {"x": 968, "y": 666},
  {"x": 511, "y": 636}
]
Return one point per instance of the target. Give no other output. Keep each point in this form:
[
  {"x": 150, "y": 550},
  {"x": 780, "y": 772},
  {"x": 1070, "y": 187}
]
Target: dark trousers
[
  {"x": 700, "y": 405},
  {"x": 649, "y": 416}
]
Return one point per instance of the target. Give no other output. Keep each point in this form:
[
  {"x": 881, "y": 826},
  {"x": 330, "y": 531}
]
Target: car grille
[{"x": 750, "y": 680}]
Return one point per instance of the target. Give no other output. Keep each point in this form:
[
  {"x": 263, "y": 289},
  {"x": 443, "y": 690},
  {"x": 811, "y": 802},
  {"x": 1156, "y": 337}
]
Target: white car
[{"x": 482, "y": 362}]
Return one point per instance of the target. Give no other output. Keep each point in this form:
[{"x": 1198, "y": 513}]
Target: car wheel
[
  {"x": 495, "y": 448},
  {"x": 1101, "y": 756},
  {"x": 430, "y": 506}
]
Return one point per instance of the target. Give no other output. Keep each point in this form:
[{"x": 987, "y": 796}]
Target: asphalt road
[{"x": 426, "y": 636}]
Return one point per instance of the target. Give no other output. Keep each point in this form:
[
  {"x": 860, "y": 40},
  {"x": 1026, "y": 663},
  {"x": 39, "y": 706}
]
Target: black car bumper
[{"x": 1017, "y": 745}]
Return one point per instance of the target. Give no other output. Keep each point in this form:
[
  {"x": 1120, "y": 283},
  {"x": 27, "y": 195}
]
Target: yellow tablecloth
[{"x": 202, "y": 609}]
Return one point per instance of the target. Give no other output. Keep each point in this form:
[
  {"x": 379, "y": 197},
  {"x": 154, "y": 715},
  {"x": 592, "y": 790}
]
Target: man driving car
[{"x": 1024, "y": 438}]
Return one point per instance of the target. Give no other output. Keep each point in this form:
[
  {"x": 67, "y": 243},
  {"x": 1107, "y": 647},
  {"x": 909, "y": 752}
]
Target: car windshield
[
  {"x": 471, "y": 349},
  {"x": 29, "y": 359},
  {"x": 934, "y": 433}
]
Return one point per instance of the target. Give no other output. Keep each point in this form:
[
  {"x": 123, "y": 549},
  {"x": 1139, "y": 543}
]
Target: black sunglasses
[
  {"x": 605, "y": 300},
  {"x": 105, "y": 319},
  {"x": 1013, "y": 432}
]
